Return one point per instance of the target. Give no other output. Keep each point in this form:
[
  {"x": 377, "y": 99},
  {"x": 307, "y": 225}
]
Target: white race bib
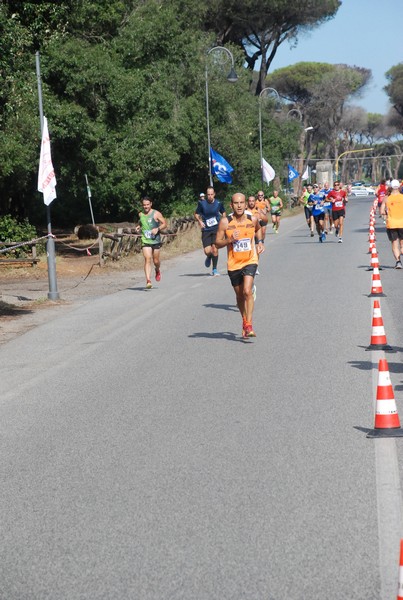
[
  {"x": 241, "y": 245},
  {"x": 211, "y": 222},
  {"x": 149, "y": 235}
]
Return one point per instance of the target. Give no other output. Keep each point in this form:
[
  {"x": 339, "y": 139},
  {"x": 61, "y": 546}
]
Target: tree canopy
[
  {"x": 394, "y": 88},
  {"x": 260, "y": 26},
  {"x": 124, "y": 91}
]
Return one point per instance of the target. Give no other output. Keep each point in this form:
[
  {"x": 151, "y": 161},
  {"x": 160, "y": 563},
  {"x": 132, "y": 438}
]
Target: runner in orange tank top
[
  {"x": 263, "y": 205},
  {"x": 238, "y": 233},
  {"x": 392, "y": 209}
]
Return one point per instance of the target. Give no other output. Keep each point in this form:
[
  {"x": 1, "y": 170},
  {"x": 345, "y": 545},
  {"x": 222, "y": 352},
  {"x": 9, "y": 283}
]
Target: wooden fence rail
[
  {"x": 125, "y": 240},
  {"x": 32, "y": 260}
]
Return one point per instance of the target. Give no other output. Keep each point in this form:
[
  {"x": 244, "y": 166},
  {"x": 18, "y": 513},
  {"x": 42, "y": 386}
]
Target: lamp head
[{"x": 232, "y": 76}]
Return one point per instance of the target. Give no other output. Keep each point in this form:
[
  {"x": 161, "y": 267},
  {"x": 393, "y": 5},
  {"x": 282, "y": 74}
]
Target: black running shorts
[
  {"x": 237, "y": 276},
  {"x": 395, "y": 234}
]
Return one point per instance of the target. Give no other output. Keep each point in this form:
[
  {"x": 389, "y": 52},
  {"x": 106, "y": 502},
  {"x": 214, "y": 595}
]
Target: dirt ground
[{"x": 24, "y": 302}]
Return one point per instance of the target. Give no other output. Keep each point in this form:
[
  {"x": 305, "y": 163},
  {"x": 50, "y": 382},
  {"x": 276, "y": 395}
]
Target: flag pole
[
  {"x": 89, "y": 198},
  {"x": 53, "y": 293}
]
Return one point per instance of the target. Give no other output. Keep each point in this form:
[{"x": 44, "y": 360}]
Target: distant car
[
  {"x": 358, "y": 183},
  {"x": 362, "y": 190}
]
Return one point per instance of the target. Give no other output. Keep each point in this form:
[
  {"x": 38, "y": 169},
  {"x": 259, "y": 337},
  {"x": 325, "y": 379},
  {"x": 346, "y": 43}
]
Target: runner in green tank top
[
  {"x": 151, "y": 223},
  {"x": 307, "y": 208},
  {"x": 276, "y": 205}
]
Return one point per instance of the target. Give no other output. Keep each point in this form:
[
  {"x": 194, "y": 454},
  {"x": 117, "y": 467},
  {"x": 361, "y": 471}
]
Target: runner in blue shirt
[
  {"x": 329, "y": 226},
  {"x": 316, "y": 200},
  {"x": 208, "y": 214}
]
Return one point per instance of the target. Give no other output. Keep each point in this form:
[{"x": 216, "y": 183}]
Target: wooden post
[{"x": 101, "y": 249}]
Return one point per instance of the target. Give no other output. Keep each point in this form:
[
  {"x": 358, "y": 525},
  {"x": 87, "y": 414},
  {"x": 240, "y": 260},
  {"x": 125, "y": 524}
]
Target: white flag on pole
[
  {"x": 305, "y": 174},
  {"x": 268, "y": 171},
  {"x": 46, "y": 175}
]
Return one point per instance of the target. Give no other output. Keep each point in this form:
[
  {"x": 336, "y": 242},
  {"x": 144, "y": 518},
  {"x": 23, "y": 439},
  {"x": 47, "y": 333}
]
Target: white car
[{"x": 362, "y": 190}]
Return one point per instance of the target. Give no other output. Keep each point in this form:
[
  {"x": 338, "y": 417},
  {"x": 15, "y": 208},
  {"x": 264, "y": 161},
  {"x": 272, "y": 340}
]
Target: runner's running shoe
[
  {"x": 340, "y": 240},
  {"x": 207, "y": 262},
  {"x": 215, "y": 273},
  {"x": 398, "y": 265},
  {"x": 149, "y": 285},
  {"x": 247, "y": 331},
  {"x": 157, "y": 275}
]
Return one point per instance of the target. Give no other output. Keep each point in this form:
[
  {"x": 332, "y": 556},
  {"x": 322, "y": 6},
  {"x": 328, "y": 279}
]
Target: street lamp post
[
  {"x": 232, "y": 77},
  {"x": 336, "y": 169},
  {"x": 275, "y": 92},
  {"x": 295, "y": 113}
]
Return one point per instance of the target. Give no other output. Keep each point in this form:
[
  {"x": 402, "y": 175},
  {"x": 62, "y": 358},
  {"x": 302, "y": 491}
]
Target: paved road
[{"x": 148, "y": 453}]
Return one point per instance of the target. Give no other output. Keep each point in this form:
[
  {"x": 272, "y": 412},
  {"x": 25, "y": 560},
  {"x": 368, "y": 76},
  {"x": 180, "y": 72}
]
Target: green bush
[{"x": 13, "y": 231}]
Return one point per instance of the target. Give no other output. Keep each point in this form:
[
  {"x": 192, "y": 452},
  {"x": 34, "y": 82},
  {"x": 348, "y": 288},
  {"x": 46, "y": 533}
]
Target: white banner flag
[
  {"x": 46, "y": 175},
  {"x": 268, "y": 171},
  {"x": 305, "y": 174}
]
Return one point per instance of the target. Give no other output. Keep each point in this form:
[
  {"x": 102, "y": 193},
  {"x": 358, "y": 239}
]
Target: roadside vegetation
[{"x": 123, "y": 86}]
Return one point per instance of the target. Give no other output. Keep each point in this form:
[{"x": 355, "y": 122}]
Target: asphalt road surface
[{"x": 149, "y": 453}]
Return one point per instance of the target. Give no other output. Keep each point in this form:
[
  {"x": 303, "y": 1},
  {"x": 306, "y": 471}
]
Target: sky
[{"x": 364, "y": 33}]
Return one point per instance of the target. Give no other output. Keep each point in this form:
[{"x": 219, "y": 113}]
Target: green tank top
[
  {"x": 274, "y": 204},
  {"x": 147, "y": 223},
  {"x": 306, "y": 196}
]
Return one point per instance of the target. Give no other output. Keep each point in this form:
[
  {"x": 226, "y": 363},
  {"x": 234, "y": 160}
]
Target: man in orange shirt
[
  {"x": 238, "y": 233},
  {"x": 392, "y": 208},
  {"x": 262, "y": 205}
]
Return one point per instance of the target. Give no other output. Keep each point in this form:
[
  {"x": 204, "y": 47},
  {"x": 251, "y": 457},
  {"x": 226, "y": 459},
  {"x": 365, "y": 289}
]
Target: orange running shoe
[{"x": 247, "y": 331}]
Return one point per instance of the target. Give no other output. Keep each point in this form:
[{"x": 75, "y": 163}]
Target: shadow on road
[
  {"x": 219, "y": 335},
  {"x": 195, "y": 274},
  {"x": 229, "y": 307},
  {"x": 363, "y": 429}
]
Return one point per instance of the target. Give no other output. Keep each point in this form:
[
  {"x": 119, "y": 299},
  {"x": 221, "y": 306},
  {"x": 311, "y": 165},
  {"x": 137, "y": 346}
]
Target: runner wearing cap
[{"x": 316, "y": 200}]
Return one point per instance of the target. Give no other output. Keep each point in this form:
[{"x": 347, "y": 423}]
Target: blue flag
[
  {"x": 220, "y": 167},
  {"x": 292, "y": 173}
]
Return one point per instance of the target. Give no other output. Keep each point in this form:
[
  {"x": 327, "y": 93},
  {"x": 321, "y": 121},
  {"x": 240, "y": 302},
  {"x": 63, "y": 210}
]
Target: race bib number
[
  {"x": 242, "y": 245},
  {"x": 338, "y": 204},
  {"x": 148, "y": 234},
  {"x": 211, "y": 222}
]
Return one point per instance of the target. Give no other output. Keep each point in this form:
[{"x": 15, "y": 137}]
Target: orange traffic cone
[
  {"x": 378, "y": 336},
  {"x": 374, "y": 260},
  {"x": 400, "y": 584},
  {"x": 372, "y": 241},
  {"x": 376, "y": 286},
  {"x": 387, "y": 422}
]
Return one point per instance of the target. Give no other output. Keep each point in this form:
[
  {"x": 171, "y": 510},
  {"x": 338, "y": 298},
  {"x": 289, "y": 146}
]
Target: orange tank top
[
  {"x": 261, "y": 204},
  {"x": 242, "y": 252},
  {"x": 394, "y": 205}
]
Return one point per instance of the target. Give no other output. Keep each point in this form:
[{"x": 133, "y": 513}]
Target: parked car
[{"x": 362, "y": 190}]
